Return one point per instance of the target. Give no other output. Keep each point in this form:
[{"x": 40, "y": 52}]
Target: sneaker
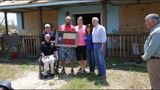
[
  {"x": 51, "y": 75},
  {"x": 45, "y": 76},
  {"x": 98, "y": 82},
  {"x": 84, "y": 71},
  {"x": 91, "y": 73},
  {"x": 105, "y": 83},
  {"x": 72, "y": 71},
  {"x": 63, "y": 71},
  {"x": 102, "y": 82},
  {"x": 80, "y": 71},
  {"x": 99, "y": 75}
]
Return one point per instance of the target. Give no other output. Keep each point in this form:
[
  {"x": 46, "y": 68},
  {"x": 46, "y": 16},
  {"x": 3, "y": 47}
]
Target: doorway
[{"x": 87, "y": 18}]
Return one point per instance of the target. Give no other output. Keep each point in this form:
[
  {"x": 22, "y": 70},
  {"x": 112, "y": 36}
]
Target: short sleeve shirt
[
  {"x": 69, "y": 28},
  {"x": 48, "y": 48},
  {"x": 81, "y": 35}
]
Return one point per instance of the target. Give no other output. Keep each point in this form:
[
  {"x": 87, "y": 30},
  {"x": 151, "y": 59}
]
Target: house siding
[
  {"x": 32, "y": 22},
  {"x": 132, "y": 17},
  {"x": 112, "y": 14},
  {"x": 112, "y": 19},
  {"x": 19, "y": 22},
  {"x": 57, "y": 18}
]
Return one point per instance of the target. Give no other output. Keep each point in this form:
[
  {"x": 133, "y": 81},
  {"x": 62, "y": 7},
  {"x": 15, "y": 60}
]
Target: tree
[
  {"x": 2, "y": 30},
  {"x": 2, "y": 26},
  {"x": 12, "y": 26}
]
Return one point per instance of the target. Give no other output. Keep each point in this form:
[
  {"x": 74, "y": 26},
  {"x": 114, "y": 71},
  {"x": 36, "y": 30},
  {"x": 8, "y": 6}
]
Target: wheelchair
[{"x": 41, "y": 68}]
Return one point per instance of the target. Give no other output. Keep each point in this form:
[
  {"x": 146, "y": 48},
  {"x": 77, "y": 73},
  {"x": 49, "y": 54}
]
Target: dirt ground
[
  {"x": 31, "y": 81},
  {"x": 118, "y": 79}
]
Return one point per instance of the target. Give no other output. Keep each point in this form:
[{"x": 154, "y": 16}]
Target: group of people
[{"x": 90, "y": 47}]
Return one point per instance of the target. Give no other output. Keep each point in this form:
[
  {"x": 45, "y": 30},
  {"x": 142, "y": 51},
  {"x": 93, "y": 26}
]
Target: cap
[{"x": 47, "y": 25}]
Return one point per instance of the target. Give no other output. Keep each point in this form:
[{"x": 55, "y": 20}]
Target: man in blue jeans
[{"x": 99, "y": 39}]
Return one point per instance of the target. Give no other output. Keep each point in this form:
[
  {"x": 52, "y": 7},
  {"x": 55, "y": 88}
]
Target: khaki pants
[
  {"x": 48, "y": 60},
  {"x": 153, "y": 66}
]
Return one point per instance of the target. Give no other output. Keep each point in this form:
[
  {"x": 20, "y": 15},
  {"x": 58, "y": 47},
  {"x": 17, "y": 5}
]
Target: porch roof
[
  {"x": 132, "y": 2},
  {"x": 9, "y": 5}
]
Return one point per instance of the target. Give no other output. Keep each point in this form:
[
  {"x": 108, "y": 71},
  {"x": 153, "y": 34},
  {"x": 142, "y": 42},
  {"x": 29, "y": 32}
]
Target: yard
[{"x": 121, "y": 75}]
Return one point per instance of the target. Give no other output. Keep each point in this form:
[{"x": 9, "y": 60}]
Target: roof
[
  {"x": 21, "y": 2},
  {"x": 131, "y": 2},
  {"x": 40, "y": 3}
]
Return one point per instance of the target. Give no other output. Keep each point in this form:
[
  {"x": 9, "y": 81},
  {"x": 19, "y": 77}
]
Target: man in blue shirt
[
  {"x": 99, "y": 39},
  {"x": 152, "y": 50}
]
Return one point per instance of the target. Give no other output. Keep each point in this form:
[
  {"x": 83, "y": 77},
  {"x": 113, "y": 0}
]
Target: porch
[
  {"x": 113, "y": 15},
  {"x": 29, "y": 48},
  {"x": 118, "y": 45}
]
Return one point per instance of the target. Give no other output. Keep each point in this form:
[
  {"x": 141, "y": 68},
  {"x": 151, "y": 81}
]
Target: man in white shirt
[{"x": 99, "y": 39}]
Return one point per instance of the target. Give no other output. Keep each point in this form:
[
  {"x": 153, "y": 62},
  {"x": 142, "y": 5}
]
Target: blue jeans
[
  {"x": 91, "y": 60},
  {"x": 99, "y": 57}
]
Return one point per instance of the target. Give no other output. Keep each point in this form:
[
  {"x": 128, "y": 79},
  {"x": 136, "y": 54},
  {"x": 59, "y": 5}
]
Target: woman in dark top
[{"x": 89, "y": 48}]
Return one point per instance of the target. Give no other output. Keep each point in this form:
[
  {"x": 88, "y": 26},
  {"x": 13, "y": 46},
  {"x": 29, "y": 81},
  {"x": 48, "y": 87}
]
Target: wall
[
  {"x": 132, "y": 17},
  {"x": 51, "y": 17},
  {"x": 19, "y": 22},
  {"x": 112, "y": 14},
  {"x": 77, "y": 10},
  {"x": 32, "y": 22},
  {"x": 112, "y": 19}
]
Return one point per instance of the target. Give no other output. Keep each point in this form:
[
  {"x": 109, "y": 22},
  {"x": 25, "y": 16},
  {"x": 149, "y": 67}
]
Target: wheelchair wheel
[
  {"x": 56, "y": 67},
  {"x": 41, "y": 68},
  {"x": 40, "y": 73}
]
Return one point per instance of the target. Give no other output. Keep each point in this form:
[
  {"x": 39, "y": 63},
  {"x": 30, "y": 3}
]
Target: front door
[{"x": 87, "y": 18}]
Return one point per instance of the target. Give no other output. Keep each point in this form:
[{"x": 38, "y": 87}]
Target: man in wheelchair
[{"x": 49, "y": 55}]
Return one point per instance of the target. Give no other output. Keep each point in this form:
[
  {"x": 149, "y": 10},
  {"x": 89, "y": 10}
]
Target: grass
[
  {"x": 120, "y": 76},
  {"x": 82, "y": 82},
  {"x": 15, "y": 69},
  {"x": 118, "y": 64},
  {"x": 7, "y": 71}
]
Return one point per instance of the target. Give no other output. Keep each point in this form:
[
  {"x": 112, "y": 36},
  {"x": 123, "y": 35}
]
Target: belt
[
  {"x": 98, "y": 43},
  {"x": 155, "y": 57}
]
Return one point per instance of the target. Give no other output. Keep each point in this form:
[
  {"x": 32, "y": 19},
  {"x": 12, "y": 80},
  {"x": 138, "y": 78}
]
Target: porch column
[
  {"x": 6, "y": 22},
  {"x": 104, "y": 18},
  {"x": 41, "y": 19},
  {"x": 104, "y": 13}
]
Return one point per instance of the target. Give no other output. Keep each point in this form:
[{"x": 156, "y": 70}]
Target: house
[
  {"x": 32, "y": 15},
  {"x": 118, "y": 16}
]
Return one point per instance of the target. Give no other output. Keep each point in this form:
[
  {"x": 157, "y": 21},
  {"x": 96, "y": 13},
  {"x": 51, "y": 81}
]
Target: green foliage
[
  {"x": 82, "y": 82},
  {"x": 2, "y": 30},
  {"x": 14, "y": 69},
  {"x": 119, "y": 64}
]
